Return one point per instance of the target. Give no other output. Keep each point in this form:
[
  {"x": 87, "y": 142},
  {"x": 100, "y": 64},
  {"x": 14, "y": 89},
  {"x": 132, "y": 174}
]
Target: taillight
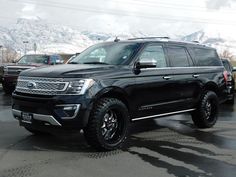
[{"x": 225, "y": 73}]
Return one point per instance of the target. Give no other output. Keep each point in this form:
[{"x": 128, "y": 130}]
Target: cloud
[
  {"x": 28, "y": 8},
  {"x": 31, "y": 11},
  {"x": 108, "y": 23},
  {"x": 218, "y": 4}
]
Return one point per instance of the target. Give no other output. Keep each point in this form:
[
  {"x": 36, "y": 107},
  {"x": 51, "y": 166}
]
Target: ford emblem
[{"x": 31, "y": 85}]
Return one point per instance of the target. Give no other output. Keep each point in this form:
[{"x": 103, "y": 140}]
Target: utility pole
[
  {"x": 35, "y": 48},
  {"x": 1, "y": 61},
  {"x": 19, "y": 51},
  {"x": 25, "y": 42}
]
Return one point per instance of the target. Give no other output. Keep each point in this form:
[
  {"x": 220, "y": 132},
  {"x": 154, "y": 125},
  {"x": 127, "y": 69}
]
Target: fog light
[{"x": 69, "y": 111}]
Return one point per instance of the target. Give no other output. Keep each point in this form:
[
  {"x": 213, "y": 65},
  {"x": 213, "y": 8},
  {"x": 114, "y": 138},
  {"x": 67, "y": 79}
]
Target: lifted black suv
[{"x": 112, "y": 84}]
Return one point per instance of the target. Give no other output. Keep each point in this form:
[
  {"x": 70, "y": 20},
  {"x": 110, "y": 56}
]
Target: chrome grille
[{"x": 41, "y": 86}]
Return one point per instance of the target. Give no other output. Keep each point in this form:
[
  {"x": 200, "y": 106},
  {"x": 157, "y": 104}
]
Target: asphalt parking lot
[{"x": 169, "y": 146}]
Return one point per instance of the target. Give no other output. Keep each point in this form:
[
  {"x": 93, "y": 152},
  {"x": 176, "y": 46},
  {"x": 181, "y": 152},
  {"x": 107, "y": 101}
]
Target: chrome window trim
[{"x": 191, "y": 67}]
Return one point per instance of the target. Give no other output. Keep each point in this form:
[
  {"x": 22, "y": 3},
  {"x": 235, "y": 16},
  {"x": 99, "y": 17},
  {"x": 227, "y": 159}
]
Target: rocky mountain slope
[{"x": 51, "y": 38}]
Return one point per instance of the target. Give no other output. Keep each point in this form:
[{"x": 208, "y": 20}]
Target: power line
[
  {"x": 125, "y": 13},
  {"x": 182, "y": 4},
  {"x": 154, "y": 2},
  {"x": 175, "y": 6},
  {"x": 161, "y": 4},
  {"x": 178, "y": 7},
  {"x": 146, "y": 3}
]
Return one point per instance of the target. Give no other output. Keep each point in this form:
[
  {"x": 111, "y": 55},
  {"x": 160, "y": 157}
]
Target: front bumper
[
  {"x": 63, "y": 111},
  {"x": 39, "y": 117}
]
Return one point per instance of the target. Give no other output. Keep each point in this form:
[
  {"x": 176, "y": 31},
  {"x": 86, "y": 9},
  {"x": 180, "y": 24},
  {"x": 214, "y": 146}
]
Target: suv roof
[{"x": 163, "y": 40}]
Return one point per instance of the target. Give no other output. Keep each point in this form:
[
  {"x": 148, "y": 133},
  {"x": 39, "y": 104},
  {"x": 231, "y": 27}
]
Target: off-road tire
[
  {"x": 199, "y": 116},
  {"x": 93, "y": 131}
]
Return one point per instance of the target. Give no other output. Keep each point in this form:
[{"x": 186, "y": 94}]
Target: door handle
[
  {"x": 167, "y": 77},
  {"x": 196, "y": 75}
]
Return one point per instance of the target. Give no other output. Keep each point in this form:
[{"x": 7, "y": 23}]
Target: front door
[{"x": 154, "y": 86}]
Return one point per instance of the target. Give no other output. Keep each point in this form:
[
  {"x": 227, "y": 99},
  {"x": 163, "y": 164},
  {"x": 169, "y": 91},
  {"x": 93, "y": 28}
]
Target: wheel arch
[
  {"x": 114, "y": 92},
  {"x": 211, "y": 86},
  {"x": 110, "y": 92}
]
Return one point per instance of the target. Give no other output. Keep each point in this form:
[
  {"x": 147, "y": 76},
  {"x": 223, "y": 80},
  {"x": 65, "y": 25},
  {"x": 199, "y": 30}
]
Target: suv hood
[
  {"x": 16, "y": 69},
  {"x": 68, "y": 71},
  {"x": 22, "y": 65}
]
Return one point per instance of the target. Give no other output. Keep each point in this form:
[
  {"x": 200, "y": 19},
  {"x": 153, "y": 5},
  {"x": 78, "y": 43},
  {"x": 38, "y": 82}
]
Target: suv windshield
[
  {"x": 39, "y": 59},
  {"x": 107, "y": 53}
]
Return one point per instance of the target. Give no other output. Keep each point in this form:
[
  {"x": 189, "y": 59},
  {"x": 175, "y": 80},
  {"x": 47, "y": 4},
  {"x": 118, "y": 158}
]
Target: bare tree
[
  {"x": 9, "y": 55},
  {"x": 227, "y": 55}
]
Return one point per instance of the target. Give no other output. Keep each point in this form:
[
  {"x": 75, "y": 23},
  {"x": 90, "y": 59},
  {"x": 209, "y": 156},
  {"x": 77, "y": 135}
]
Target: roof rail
[{"x": 142, "y": 38}]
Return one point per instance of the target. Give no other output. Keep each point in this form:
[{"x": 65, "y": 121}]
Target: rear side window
[
  {"x": 227, "y": 65},
  {"x": 178, "y": 56},
  {"x": 206, "y": 57},
  {"x": 56, "y": 59}
]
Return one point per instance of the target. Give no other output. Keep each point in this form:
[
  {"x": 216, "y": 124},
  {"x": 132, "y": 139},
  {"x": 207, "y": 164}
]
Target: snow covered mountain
[
  {"x": 51, "y": 38},
  {"x": 219, "y": 38}
]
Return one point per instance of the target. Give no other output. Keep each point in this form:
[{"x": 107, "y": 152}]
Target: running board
[{"x": 165, "y": 114}]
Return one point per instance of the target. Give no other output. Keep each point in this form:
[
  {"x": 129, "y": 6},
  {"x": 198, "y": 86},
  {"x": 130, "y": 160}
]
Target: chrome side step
[{"x": 160, "y": 115}]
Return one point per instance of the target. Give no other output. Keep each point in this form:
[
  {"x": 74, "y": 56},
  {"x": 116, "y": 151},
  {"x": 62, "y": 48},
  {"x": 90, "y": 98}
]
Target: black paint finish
[{"x": 148, "y": 92}]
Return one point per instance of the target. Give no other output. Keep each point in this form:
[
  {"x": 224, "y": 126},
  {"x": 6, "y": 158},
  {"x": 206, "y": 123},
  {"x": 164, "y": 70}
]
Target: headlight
[{"x": 79, "y": 87}]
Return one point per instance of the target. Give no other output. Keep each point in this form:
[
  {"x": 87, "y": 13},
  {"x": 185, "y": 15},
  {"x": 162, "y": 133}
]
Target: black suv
[{"x": 112, "y": 84}]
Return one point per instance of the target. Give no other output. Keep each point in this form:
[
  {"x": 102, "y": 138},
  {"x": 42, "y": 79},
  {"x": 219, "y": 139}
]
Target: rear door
[
  {"x": 209, "y": 69},
  {"x": 186, "y": 87}
]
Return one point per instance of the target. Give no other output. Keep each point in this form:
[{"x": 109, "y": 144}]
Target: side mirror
[
  {"x": 234, "y": 69},
  {"x": 146, "y": 64}
]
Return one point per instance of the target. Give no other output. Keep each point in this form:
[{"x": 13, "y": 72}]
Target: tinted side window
[
  {"x": 154, "y": 53},
  {"x": 178, "y": 57},
  {"x": 206, "y": 57},
  {"x": 227, "y": 65},
  {"x": 56, "y": 59}
]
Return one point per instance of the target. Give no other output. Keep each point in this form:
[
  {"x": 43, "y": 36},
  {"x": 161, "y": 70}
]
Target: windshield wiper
[{"x": 96, "y": 62}]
